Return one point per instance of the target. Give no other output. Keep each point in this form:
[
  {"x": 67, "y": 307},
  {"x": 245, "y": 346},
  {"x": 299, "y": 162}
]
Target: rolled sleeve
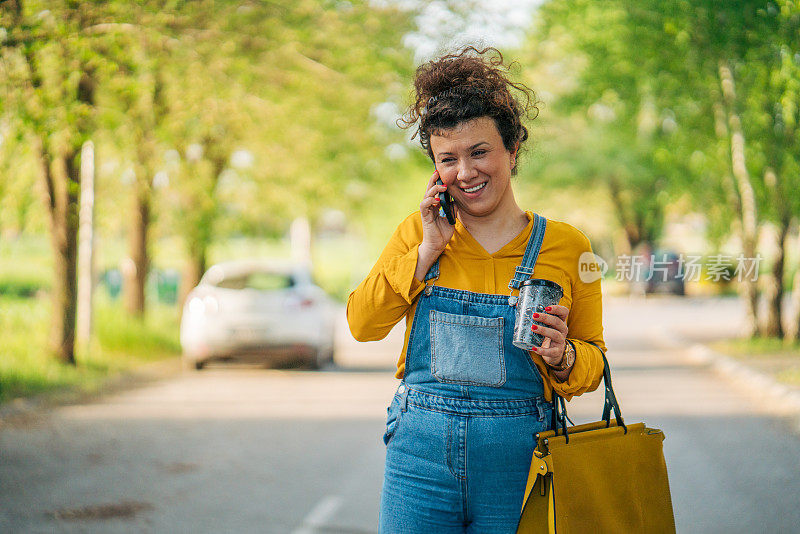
[{"x": 399, "y": 273}]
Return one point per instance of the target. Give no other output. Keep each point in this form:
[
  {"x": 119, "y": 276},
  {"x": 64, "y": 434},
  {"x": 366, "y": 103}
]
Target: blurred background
[{"x": 142, "y": 143}]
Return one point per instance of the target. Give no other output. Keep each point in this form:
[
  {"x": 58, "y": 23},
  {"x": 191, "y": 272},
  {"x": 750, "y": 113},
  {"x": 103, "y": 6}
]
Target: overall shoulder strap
[
  {"x": 525, "y": 269},
  {"x": 433, "y": 272}
]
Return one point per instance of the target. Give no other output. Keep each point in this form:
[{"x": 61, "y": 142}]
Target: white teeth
[{"x": 473, "y": 189}]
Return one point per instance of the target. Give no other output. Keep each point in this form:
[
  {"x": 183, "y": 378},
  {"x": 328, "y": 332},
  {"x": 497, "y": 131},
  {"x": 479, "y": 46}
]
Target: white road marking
[{"x": 320, "y": 514}]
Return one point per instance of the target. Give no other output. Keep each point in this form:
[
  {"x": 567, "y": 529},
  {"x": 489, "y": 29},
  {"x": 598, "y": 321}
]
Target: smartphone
[{"x": 446, "y": 205}]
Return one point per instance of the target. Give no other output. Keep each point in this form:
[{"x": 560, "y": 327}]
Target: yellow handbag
[{"x": 601, "y": 477}]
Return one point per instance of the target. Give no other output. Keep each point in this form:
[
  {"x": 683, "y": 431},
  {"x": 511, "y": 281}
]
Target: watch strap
[{"x": 567, "y": 360}]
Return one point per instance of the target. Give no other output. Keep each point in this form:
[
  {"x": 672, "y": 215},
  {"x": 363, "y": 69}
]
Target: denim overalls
[{"x": 460, "y": 429}]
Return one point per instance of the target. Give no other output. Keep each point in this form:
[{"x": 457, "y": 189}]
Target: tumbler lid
[{"x": 543, "y": 282}]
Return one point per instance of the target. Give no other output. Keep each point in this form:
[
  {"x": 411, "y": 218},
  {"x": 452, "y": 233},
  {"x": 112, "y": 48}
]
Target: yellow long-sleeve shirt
[{"x": 389, "y": 292}]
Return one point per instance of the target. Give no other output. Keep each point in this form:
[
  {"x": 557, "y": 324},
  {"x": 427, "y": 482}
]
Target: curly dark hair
[{"x": 465, "y": 85}]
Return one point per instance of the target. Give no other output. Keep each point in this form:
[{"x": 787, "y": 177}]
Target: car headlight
[
  {"x": 200, "y": 306},
  {"x": 196, "y": 306}
]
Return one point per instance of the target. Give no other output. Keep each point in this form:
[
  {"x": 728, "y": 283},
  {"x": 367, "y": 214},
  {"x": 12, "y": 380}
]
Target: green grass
[
  {"x": 25, "y": 266},
  {"x": 119, "y": 344},
  {"x": 758, "y": 347},
  {"x": 790, "y": 376}
]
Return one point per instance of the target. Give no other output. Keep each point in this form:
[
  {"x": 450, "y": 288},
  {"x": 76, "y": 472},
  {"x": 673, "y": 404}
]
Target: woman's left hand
[{"x": 555, "y": 334}]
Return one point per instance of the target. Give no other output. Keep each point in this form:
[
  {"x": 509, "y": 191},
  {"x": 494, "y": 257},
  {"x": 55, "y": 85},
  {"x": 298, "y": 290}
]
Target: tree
[
  {"x": 295, "y": 88},
  {"x": 771, "y": 73},
  {"x": 698, "y": 62},
  {"x": 616, "y": 133},
  {"x": 50, "y": 72}
]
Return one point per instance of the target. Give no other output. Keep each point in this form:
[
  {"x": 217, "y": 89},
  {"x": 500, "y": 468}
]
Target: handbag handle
[{"x": 560, "y": 416}]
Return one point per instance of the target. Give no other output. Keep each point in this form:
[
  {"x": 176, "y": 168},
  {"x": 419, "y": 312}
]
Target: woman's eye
[{"x": 479, "y": 153}]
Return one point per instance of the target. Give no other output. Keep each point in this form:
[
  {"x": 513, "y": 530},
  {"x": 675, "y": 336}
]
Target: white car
[{"x": 258, "y": 311}]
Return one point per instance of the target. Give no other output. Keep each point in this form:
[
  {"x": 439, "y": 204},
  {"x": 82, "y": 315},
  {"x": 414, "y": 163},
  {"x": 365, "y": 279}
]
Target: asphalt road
[{"x": 234, "y": 449}]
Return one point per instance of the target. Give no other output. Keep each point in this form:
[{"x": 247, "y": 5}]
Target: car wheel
[
  {"x": 322, "y": 357},
  {"x": 199, "y": 365},
  {"x": 314, "y": 362},
  {"x": 330, "y": 355}
]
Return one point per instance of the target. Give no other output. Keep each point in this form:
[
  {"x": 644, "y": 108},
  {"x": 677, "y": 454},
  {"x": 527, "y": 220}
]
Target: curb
[
  {"x": 782, "y": 399},
  {"x": 26, "y": 409},
  {"x": 759, "y": 383}
]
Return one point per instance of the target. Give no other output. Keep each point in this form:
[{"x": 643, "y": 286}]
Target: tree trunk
[
  {"x": 62, "y": 184},
  {"x": 794, "y": 332},
  {"x": 136, "y": 276},
  {"x": 749, "y": 215},
  {"x": 146, "y": 145},
  {"x": 721, "y": 129},
  {"x": 774, "y": 293},
  {"x": 633, "y": 233},
  {"x": 61, "y": 174},
  {"x": 86, "y": 249}
]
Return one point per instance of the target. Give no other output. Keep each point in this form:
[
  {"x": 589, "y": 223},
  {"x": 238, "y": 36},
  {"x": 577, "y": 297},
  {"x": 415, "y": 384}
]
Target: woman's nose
[{"x": 466, "y": 171}]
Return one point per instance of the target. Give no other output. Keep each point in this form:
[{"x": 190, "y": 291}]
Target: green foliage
[
  {"x": 609, "y": 131},
  {"x": 641, "y": 100},
  {"x": 293, "y": 83}
]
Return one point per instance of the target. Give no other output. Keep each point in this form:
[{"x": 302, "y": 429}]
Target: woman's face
[{"x": 475, "y": 165}]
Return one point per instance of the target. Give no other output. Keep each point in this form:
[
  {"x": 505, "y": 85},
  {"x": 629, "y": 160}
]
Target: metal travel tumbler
[{"x": 534, "y": 295}]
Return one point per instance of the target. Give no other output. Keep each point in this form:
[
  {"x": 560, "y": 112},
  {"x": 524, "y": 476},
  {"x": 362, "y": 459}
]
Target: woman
[{"x": 460, "y": 429}]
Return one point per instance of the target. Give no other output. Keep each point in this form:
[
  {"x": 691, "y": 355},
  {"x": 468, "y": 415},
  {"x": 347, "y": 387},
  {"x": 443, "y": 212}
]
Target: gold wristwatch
[{"x": 567, "y": 360}]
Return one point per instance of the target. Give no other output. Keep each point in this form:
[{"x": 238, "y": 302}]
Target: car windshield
[{"x": 263, "y": 281}]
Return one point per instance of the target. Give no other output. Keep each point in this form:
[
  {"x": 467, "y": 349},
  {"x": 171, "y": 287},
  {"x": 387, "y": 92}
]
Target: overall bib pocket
[{"x": 466, "y": 349}]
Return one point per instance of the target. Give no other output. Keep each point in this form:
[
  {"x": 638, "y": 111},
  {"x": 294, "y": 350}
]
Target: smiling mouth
[{"x": 476, "y": 188}]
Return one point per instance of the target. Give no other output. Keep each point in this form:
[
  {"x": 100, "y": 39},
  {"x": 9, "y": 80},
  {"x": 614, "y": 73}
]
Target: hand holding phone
[
  {"x": 437, "y": 228},
  {"x": 446, "y": 205}
]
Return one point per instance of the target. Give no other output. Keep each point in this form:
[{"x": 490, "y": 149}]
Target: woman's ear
[{"x": 514, "y": 157}]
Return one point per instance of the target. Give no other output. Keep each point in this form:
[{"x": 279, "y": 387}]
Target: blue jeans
[{"x": 457, "y": 465}]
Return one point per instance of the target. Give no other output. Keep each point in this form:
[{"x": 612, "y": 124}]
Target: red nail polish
[
  {"x": 534, "y": 349},
  {"x": 536, "y": 315},
  {"x": 534, "y": 327},
  {"x": 547, "y": 308}
]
